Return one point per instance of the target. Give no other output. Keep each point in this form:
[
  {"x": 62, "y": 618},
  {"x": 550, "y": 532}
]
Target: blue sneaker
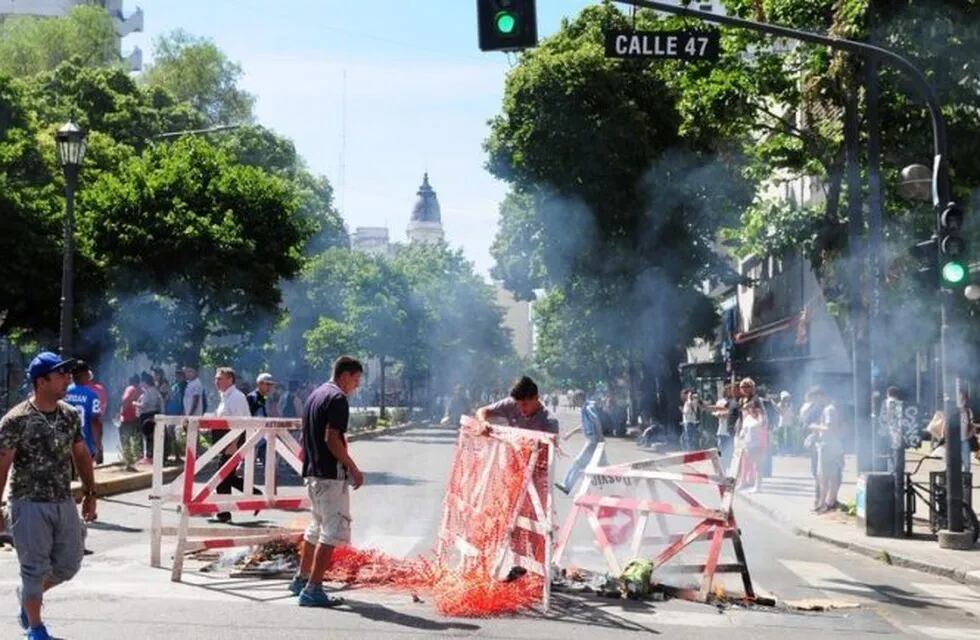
[
  {"x": 38, "y": 633},
  {"x": 317, "y": 598},
  {"x": 297, "y": 584},
  {"x": 22, "y": 617}
]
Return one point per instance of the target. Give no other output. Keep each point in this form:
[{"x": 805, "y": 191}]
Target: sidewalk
[{"x": 788, "y": 497}]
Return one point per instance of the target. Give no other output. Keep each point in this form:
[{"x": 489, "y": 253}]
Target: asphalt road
[{"x": 117, "y": 594}]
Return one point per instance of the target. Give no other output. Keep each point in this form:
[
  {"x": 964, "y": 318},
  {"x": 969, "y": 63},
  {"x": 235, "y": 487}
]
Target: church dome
[{"x": 427, "y": 206}]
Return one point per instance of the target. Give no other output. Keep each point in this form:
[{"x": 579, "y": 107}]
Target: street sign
[{"x": 670, "y": 45}]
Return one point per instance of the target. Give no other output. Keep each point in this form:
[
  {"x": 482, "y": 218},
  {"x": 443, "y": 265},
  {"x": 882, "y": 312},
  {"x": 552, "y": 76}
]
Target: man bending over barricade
[
  {"x": 522, "y": 409},
  {"x": 327, "y": 470}
]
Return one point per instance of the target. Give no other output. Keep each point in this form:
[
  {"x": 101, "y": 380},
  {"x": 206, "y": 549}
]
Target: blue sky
[{"x": 419, "y": 93}]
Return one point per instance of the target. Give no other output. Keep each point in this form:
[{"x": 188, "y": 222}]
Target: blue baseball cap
[{"x": 47, "y": 362}]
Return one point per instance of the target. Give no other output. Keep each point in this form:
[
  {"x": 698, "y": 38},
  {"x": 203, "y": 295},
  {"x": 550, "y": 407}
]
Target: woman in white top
[{"x": 753, "y": 432}]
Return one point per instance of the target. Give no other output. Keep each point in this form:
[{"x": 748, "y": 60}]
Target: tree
[
  {"x": 260, "y": 147},
  {"x": 185, "y": 230},
  {"x": 29, "y": 223},
  {"x": 625, "y": 206},
  {"x": 352, "y": 302},
  {"x": 196, "y": 71},
  {"x": 803, "y": 135},
  {"x": 31, "y": 45},
  {"x": 463, "y": 340}
]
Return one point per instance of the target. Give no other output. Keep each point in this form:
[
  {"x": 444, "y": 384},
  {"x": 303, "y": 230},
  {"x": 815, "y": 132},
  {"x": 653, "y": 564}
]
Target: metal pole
[
  {"x": 860, "y": 367},
  {"x": 68, "y": 263},
  {"x": 874, "y": 253}
]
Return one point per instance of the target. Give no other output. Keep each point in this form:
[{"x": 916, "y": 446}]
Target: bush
[{"x": 363, "y": 420}]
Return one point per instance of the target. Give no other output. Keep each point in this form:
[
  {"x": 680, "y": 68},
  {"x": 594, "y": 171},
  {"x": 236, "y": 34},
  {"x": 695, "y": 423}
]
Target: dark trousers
[{"x": 147, "y": 424}]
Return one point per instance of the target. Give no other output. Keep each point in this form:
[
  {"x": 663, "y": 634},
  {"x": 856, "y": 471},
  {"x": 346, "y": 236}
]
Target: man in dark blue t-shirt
[{"x": 327, "y": 469}]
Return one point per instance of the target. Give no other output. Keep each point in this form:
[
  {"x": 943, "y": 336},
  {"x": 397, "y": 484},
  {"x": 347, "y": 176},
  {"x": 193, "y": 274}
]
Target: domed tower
[{"x": 426, "y": 223}]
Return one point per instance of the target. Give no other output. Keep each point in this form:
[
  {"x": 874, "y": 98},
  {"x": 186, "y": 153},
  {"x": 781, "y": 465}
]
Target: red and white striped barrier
[
  {"x": 524, "y": 536},
  {"x": 197, "y": 496},
  {"x": 713, "y": 523}
]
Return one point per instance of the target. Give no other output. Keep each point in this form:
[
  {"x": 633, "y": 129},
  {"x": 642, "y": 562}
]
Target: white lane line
[
  {"x": 825, "y": 577},
  {"x": 946, "y": 633},
  {"x": 955, "y": 595}
]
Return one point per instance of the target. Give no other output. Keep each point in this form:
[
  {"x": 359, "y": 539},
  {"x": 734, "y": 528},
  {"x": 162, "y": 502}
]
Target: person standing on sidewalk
[
  {"x": 830, "y": 454},
  {"x": 259, "y": 404},
  {"x": 87, "y": 404},
  {"x": 968, "y": 429},
  {"x": 148, "y": 406},
  {"x": 811, "y": 416},
  {"x": 728, "y": 413},
  {"x": 39, "y": 438},
  {"x": 752, "y": 431},
  {"x": 327, "y": 470},
  {"x": 690, "y": 417},
  {"x": 129, "y": 419}
]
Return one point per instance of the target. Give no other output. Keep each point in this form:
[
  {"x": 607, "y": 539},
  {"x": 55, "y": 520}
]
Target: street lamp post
[{"x": 70, "y": 140}]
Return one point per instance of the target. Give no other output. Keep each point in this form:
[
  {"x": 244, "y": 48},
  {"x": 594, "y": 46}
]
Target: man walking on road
[
  {"x": 327, "y": 470},
  {"x": 37, "y": 438}
]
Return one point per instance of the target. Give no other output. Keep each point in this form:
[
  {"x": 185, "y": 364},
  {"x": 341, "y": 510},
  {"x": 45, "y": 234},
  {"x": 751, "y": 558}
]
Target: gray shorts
[
  {"x": 330, "y": 507},
  {"x": 49, "y": 538}
]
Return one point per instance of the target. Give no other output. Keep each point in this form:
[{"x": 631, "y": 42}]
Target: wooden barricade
[
  {"x": 197, "y": 497},
  {"x": 526, "y": 540},
  {"x": 671, "y": 472}
]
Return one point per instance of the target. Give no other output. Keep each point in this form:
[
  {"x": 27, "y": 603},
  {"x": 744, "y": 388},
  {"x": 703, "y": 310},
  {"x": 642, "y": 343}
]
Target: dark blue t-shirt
[
  {"x": 326, "y": 408},
  {"x": 86, "y": 402}
]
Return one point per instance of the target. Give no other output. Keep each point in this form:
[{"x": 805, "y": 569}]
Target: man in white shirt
[
  {"x": 233, "y": 404},
  {"x": 193, "y": 393}
]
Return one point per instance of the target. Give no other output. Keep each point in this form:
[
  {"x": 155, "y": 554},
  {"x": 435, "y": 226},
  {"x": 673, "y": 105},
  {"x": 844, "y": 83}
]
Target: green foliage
[
  {"x": 615, "y": 206},
  {"x": 31, "y": 45},
  {"x": 196, "y": 71},
  {"x": 462, "y": 340},
  {"x": 205, "y": 241}
]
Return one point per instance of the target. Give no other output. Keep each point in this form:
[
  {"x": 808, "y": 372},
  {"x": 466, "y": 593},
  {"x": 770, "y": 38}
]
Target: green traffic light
[
  {"x": 954, "y": 272},
  {"x": 506, "y": 23}
]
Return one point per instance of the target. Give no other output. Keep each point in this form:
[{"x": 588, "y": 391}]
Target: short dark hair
[
  {"x": 346, "y": 364},
  {"x": 524, "y": 389},
  {"x": 147, "y": 378}
]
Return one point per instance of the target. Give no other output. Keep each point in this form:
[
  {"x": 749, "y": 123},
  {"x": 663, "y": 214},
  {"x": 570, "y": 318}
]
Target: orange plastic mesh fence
[{"x": 486, "y": 486}]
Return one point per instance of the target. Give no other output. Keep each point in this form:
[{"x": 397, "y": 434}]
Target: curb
[
  {"x": 875, "y": 553},
  {"x": 139, "y": 480}
]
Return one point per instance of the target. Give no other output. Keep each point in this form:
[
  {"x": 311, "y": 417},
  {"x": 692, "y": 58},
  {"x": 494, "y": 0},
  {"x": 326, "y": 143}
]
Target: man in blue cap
[{"x": 38, "y": 438}]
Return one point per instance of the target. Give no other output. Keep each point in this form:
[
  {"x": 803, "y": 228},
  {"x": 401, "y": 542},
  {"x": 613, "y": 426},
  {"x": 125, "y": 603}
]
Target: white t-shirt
[
  {"x": 233, "y": 403},
  {"x": 690, "y": 412},
  {"x": 194, "y": 389}
]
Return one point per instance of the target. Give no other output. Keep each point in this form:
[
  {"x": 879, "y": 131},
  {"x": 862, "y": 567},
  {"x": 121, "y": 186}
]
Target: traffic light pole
[{"x": 941, "y": 195}]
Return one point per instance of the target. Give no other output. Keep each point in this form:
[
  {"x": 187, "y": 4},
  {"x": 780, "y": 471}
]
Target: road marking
[
  {"x": 946, "y": 633},
  {"x": 955, "y": 595},
  {"x": 825, "y": 576}
]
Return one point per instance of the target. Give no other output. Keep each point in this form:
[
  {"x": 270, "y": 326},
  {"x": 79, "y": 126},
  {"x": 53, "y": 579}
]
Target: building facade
[{"x": 124, "y": 25}]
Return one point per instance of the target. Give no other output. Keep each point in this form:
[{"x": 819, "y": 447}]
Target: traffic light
[
  {"x": 507, "y": 25},
  {"x": 952, "y": 248}
]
